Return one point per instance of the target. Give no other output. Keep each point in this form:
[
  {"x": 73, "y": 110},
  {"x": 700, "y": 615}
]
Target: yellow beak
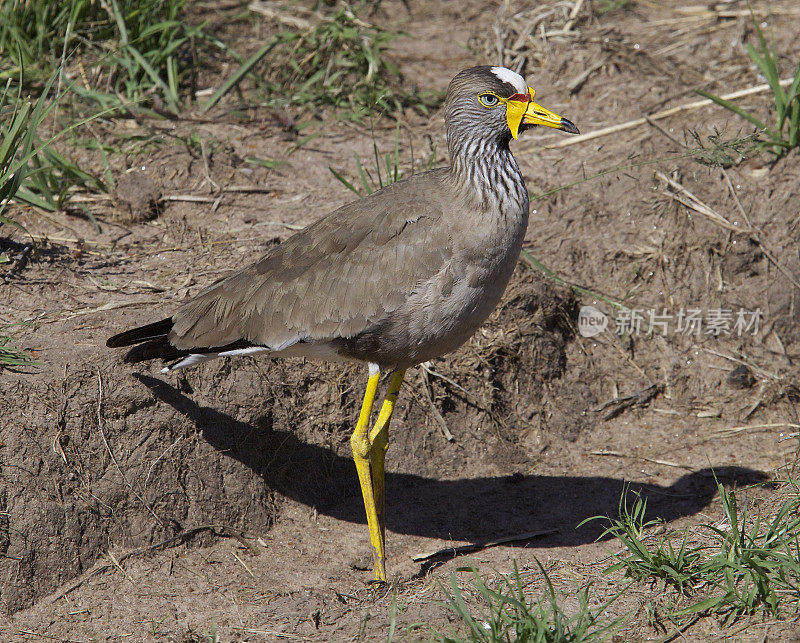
[{"x": 526, "y": 112}]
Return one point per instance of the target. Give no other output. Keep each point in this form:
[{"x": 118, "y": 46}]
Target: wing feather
[{"x": 335, "y": 278}]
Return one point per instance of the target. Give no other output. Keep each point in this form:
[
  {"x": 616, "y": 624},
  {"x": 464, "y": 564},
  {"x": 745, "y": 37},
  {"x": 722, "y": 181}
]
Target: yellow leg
[
  {"x": 359, "y": 442},
  {"x": 369, "y": 452},
  {"x": 379, "y": 440}
]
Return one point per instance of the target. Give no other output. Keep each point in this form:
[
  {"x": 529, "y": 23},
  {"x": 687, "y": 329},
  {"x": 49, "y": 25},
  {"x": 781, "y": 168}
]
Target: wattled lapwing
[{"x": 395, "y": 279}]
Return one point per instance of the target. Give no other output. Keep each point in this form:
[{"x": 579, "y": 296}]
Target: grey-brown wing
[{"x": 335, "y": 278}]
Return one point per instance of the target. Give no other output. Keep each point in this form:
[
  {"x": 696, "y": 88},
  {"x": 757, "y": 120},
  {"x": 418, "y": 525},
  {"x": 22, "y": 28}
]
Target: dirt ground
[{"x": 142, "y": 506}]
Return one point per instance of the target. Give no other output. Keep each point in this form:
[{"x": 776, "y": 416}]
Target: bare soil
[{"x": 142, "y": 506}]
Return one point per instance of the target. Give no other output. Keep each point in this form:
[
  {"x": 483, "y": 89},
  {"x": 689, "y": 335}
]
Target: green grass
[
  {"x": 211, "y": 637},
  {"x": 136, "y": 49},
  {"x": 32, "y": 171},
  {"x": 20, "y": 118},
  {"x": 661, "y": 560},
  {"x": 754, "y": 564},
  {"x": 270, "y": 164},
  {"x": 603, "y": 7},
  {"x": 386, "y": 168},
  {"x": 340, "y": 62},
  {"x": 720, "y": 151},
  {"x": 784, "y": 136},
  {"x": 10, "y": 355},
  {"x": 747, "y": 563},
  {"x": 119, "y": 52},
  {"x": 508, "y": 614}
]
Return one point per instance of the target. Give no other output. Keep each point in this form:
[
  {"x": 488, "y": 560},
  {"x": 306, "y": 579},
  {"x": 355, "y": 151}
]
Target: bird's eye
[{"x": 488, "y": 100}]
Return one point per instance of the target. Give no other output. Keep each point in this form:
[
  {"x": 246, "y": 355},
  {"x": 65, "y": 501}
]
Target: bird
[{"x": 395, "y": 279}]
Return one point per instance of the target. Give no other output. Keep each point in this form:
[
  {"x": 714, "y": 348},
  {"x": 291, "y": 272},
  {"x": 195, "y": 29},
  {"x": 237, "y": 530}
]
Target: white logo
[{"x": 591, "y": 321}]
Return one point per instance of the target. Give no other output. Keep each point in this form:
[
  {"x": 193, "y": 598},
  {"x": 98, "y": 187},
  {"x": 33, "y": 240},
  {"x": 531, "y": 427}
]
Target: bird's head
[{"x": 495, "y": 102}]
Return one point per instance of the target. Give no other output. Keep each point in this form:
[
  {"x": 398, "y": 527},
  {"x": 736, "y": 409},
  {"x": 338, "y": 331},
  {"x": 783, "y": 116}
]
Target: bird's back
[{"x": 333, "y": 279}]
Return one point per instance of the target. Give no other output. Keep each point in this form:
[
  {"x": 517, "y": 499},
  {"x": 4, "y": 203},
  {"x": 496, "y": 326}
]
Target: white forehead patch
[{"x": 512, "y": 78}]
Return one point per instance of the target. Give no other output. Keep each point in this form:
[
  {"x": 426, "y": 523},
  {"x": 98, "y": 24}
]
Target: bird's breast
[{"x": 447, "y": 309}]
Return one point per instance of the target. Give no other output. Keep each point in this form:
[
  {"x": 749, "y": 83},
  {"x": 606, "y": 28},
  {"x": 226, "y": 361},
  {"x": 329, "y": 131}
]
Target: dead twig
[
  {"x": 639, "y": 399},
  {"x": 572, "y": 16},
  {"x": 576, "y": 83},
  {"x": 763, "y": 372},
  {"x": 664, "y": 132},
  {"x": 682, "y": 195},
  {"x": 666, "y": 463},
  {"x": 188, "y": 198},
  {"x": 452, "y": 552},
  {"x": 735, "y": 430},
  {"x": 468, "y": 397},
  {"x": 249, "y": 189},
  {"x": 269, "y": 633},
  {"x": 636, "y": 122},
  {"x": 21, "y": 259},
  {"x": 117, "y": 564},
  {"x": 45, "y": 238},
  {"x": 426, "y": 385},
  {"x": 426, "y": 366},
  {"x": 61, "y": 424},
  {"x": 109, "y": 306},
  {"x": 237, "y": 189},
  {"x": 213, "y": 186},
  {"x": 156, "y": 461},
  {"x": 243, "y": 564}
]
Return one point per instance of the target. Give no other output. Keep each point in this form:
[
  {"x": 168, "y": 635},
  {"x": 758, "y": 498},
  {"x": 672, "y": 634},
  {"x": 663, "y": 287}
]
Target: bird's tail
[
  {"x": 149, "y": 342},
  {"x": 141, "y": 334}
]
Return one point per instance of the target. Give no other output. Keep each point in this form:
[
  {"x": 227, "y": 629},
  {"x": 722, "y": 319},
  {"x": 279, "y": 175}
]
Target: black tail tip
[{"x": 156, "y": 330}]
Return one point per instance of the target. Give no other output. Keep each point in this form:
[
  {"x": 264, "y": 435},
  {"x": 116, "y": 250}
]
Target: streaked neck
[{"x": 485, "y": 171}]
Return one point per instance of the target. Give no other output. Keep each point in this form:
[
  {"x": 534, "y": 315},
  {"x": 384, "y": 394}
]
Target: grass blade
[
  {"x": 368, "y": 189},
  {"x": 345, "y": 182},
  {"x": 153, "y": 74},
  {"x": 240, "y": 73},
  {"x": 766, "y": 62},
  {"x": 734, "y": 108}
]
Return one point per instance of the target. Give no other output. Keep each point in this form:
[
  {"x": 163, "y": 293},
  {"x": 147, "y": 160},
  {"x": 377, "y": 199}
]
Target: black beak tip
[{"x": 569, "y": 126}]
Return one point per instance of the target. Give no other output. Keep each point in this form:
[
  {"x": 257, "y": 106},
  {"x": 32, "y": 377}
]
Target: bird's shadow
[{"x": 468, "y": 509}]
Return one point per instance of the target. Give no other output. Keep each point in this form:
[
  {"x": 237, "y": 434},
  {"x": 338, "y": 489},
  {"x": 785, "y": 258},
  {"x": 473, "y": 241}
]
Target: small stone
[
  {"x": 137, "y": 196},
  {"x": 741, "y": 377},
  {"x": 361, "y": 564}
]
